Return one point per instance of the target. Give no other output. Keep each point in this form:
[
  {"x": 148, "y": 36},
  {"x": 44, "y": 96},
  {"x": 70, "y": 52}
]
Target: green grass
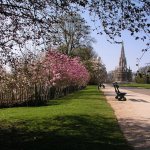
[
  {"x": 138, "y": 85},
  {"x": 79, "y": 121}
]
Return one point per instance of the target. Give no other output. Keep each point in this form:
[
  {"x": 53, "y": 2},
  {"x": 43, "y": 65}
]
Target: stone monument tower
[{"x": 121, "y": 71}]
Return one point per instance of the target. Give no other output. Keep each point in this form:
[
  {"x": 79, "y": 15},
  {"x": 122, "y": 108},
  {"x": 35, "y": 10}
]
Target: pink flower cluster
[{"x": 57, "y": 69}]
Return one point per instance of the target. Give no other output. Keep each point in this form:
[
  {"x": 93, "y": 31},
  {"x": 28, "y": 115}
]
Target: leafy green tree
[
  {"x": 99, "y": 74},
  {"x": 93, "y": 64},
  {"x": 143, "y": 75},
  {"x": 73, "y": 33},
  {"x": 85, "y": 53}
]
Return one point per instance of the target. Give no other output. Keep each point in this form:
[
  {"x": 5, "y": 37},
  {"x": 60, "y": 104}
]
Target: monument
[{"x": 123, "y": 74}]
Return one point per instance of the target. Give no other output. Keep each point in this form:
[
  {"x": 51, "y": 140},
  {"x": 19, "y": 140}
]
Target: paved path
[
  {"x": 138, "y": 90},
  {"x": 133, "y": 116}
]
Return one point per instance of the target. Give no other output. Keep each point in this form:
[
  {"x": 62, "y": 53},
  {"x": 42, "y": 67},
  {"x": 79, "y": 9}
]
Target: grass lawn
[
  {"x": 138, "y": 85},
  {"x": 79, "y": 121}
]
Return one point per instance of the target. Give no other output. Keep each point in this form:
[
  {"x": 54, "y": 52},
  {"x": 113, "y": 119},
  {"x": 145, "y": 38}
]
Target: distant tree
[
  {"x": 86, "y": 55},
  {"x": 143, "y": 75},
  {"x": 145, "y": 69},
  {"x": 84, "y": 52},
  {"x": 73, "y": 33},
  {"x": 92, "y": 63},
  {"x": 99, "y": 71},
  {"x": 110, "y": 76},
  {"x": 129, "y": 75}
]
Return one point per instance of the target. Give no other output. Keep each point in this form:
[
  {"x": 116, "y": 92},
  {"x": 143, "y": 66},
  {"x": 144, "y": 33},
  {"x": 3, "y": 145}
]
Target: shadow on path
[
  {"x": 138, "y": 100},
  {"x": 137, "y": 132}
]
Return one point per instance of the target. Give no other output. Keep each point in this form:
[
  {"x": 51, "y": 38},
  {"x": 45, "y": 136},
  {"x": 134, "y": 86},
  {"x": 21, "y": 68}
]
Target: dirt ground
[{"x": 133, "y": 116}]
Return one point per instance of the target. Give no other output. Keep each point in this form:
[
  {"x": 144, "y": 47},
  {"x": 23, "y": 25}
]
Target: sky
[{"x": 110, "y": 53}]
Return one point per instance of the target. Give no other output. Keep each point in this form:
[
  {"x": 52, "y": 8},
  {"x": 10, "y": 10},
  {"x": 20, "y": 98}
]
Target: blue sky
[{"x": 110, "y": 53}]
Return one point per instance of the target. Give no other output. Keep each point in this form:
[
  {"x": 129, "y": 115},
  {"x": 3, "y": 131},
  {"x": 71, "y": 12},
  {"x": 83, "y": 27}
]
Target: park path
[{"x": 133, "y": 116}]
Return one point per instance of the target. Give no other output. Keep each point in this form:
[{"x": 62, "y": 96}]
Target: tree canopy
[
  {"x": 73, "y": 32},
  {"x": 23, "y": 21}
]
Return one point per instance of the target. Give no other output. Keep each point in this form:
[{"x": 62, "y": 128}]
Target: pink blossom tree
[{"x": 61, "y": 70}]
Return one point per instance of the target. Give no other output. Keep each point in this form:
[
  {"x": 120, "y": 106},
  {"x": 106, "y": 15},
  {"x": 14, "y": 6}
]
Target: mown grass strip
[
  {"x": 79, "y": 121},
  {"x": 138, "y": 85}
]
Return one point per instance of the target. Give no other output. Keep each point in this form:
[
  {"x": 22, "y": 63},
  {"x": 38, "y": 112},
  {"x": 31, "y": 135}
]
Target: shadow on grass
[
  {"x": 83, "y": 94},
  {"x": 63, "y": 133}
]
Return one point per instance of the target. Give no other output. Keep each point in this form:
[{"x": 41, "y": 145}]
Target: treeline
[
  {"x": 32, "y": 81},
  {"x": 34, "y": 96},
  {"x": 143, "y": 75},
  {"x": 33, "y": 69}
]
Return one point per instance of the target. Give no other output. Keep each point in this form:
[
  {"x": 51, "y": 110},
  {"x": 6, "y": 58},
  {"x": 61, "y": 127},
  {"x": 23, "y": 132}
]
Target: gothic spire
[
  {"x": 122, "y": 61},
  {"x": 122, "y": 51}
]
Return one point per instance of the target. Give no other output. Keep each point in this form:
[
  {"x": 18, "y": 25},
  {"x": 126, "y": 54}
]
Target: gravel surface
[
  {"x": 133, "y": 116},
  {"x": 137, "y": 90}
]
